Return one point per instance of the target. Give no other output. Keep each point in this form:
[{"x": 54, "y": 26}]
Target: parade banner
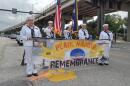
[
  {"x": 60, "y": 54},
  {"x": 67, "y": 53}
]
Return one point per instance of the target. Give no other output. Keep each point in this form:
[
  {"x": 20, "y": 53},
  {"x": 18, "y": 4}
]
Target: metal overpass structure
[{"x": 86, "y": 8}]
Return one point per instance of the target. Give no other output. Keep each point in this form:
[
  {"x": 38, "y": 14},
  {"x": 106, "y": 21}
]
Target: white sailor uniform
[
  {"x": 106, "y": 38},
  {"x": 83, "y": 34},
  {"x": 67, "y": 34},
  {"x": 27, "y": 33},
  {"x": 49, "y": 32}
]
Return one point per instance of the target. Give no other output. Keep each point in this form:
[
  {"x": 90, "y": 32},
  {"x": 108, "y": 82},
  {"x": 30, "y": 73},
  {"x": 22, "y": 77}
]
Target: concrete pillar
[
  {"x": 63, "y": 24},
  {"x": 101, "y": 12},
  {"x": 84, "y": 20},
  {"x": 99, "y": 20},
  {"x": 128, "y": 30}
]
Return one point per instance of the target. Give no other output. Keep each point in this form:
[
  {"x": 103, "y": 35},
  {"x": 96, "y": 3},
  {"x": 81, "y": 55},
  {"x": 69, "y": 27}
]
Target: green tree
[
  {"x": 115, "y": 23},
  {"x": 92, "y": 28}
]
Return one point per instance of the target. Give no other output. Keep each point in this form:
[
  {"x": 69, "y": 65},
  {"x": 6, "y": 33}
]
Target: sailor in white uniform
[
  {"x": 49, "y": 30},
  {"x": 106, "y": 38},
  {"x": 29, "y": 30},
  {"x": 83, "y": 33},
  {"x": 67, "y": 33}
]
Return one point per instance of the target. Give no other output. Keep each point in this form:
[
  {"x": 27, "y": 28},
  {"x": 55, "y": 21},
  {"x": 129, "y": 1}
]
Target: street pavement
[{"x": 116, "y": 74}]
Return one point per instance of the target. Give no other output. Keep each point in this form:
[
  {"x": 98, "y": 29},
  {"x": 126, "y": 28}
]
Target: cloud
[{"x": 8, "y": 19}]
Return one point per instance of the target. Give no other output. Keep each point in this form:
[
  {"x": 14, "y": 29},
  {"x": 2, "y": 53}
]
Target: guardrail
[
  {"x": 48, "y": 7},
  {"x": 51, "y": 4}
]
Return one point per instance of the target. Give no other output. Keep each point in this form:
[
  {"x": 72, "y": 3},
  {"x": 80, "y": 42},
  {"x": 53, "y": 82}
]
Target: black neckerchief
[
  {"x": 32, "y": 31},
  {"x": 108, "y": 35},
  {"x": 52, "y": 33},
  {"x": 69, "y": 34},
  {"x": 84, "y": 32}
]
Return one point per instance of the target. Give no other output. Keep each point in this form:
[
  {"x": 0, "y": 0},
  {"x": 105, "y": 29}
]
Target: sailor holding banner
[
  {"x": 106, "y": 38},
  {"x": 68, "y": 33},
  {"x": 49, "y": 30},
  {"x": 83, "y": 33},
  {"x": 28, "y": 32}
]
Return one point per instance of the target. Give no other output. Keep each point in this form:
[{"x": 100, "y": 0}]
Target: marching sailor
[
  {"x": 28, "y": 32},
  {"x": 67, "y": 33},
  {"x": 49, "y": 30},
  {"x": 106, "y": 38},
  {"x": 83, "y": 33}
]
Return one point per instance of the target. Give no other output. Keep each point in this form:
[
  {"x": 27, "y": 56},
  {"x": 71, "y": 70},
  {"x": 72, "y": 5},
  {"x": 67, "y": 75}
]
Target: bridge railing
[{"x": 51, "y": 4}]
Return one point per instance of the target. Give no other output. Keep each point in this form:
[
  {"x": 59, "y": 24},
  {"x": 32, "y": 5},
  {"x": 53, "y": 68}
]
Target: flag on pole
[
  {"x": 75, "y": 16},
  {"x": 57, "y": 22}
]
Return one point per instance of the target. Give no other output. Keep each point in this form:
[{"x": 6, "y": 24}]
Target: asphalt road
[{"x": 116, "y": 74}]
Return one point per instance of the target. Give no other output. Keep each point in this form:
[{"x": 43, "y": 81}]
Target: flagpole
[{"x": 76, "y": 14}]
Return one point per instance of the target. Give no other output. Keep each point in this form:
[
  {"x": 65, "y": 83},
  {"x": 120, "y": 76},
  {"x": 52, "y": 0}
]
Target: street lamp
[{"x": 117, "y": 21}]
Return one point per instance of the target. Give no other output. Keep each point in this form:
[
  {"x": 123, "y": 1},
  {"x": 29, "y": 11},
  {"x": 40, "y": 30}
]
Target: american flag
[{"x": 57, "y": 22}]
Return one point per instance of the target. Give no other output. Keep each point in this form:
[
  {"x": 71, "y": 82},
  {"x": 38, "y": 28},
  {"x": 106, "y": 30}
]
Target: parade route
[{"x": 116, "y": 74}]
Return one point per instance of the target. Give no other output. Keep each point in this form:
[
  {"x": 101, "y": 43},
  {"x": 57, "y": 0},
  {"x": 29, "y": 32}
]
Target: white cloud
[
  {"x": 8, "y": 19},
  {"x": 11, "y": 18}
]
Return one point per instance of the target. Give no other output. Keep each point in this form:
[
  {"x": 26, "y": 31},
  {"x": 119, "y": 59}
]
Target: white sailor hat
[
  {"x": 105, "y": 25},
  {"x": 30, "y": 18},
  {"x": 83, "y": 24},
  {"x": 50, "y": 22}
]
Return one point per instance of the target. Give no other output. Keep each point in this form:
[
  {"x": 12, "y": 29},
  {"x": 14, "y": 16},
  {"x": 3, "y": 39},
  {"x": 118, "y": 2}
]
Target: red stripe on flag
[{"x": 57, "y": 22}]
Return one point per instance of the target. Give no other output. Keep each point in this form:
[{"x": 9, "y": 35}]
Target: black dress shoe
[
  {"x": 24, "y": 64},
  {"x": 106, "y": 64},
  {"x": 29, "y": 75},
  {"x": 35, "y": 74},
  {"x": 101, "y": 64}
]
